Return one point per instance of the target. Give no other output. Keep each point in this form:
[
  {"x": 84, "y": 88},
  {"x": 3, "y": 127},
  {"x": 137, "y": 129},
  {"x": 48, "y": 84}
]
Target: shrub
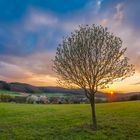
[
  {"x": 6, "y": 98},
  {"x": 100, "y": 100},
  {"x": 54, "y": 100},
  {"x": 42, "y": 100},
  {"x": 20, "y": 99},
  {"x": 32, "y": 99},
  {"x": 134, "y": 97}
]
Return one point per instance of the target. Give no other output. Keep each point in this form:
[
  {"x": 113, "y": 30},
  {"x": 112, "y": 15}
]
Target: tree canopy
[{"x": 92, "y": 57}]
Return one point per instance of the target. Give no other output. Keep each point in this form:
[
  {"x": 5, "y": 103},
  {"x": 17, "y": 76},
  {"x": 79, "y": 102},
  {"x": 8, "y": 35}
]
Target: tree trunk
[{"x": 92, "y": 102}]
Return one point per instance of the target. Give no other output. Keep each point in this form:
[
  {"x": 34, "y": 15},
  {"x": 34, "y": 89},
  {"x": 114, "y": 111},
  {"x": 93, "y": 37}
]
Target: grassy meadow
[
  {"x": 51, "y": 94},
  {"x": 116, "y": 121},
  {"x": 11, "y": 93}
]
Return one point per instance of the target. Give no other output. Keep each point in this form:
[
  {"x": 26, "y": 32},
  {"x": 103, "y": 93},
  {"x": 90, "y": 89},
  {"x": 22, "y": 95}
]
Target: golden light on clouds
[
  {"x": 42, "y": 80},
  {"x": 127, "y": 85}
]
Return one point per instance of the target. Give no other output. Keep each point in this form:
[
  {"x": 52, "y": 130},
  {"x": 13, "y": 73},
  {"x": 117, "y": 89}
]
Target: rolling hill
[{"x": 27, "y": 88}]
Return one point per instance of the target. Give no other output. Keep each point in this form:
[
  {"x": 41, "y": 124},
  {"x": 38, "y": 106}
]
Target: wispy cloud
[{"x": 138, "y": 83}]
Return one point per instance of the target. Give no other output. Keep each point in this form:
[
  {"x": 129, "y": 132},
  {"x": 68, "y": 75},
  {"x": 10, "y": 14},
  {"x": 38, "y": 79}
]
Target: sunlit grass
[
  {"x": 116, "y": 121},
  {"x": 11, "y": 93},
  {"x": 52, "y": 94}
]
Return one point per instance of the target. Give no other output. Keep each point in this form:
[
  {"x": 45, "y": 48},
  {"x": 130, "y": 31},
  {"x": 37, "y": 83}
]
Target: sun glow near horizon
[{"x": 128, "y": 85}]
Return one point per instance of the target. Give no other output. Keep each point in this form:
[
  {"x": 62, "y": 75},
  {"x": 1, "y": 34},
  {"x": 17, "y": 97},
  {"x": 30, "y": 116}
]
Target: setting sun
[{"x": 111, "y": 92}]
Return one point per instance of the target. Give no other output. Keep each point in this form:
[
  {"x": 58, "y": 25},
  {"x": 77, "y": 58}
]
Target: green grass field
[
  {"x": 116, "y": 121},
  {"x": 51, "y": 94},
  {"x": 11, "y": 93}
]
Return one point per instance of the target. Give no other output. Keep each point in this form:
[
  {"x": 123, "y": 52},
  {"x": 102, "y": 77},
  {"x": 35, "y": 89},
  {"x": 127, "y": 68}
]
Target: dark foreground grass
[{"x": 117, "y": 121}]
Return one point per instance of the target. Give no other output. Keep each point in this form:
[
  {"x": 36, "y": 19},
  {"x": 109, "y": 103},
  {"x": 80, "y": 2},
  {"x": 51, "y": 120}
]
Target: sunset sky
[{"x": 30, "y": 31}]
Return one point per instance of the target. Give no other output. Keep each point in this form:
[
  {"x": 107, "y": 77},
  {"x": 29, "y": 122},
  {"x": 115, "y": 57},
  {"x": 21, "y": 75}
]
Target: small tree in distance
[{"x": 91, "y": 58}]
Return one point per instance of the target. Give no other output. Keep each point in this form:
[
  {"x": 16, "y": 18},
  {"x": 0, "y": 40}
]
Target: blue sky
[
  {"x": 45, "y": 15},
  {"x": 30, "y": 31}
]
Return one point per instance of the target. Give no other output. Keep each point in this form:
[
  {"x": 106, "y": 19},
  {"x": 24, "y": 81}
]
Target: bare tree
[{"x": 91, "y": 58}]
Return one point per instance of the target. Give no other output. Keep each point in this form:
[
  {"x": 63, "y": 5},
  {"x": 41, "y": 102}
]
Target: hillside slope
[{"x": 27, "y": 88}]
